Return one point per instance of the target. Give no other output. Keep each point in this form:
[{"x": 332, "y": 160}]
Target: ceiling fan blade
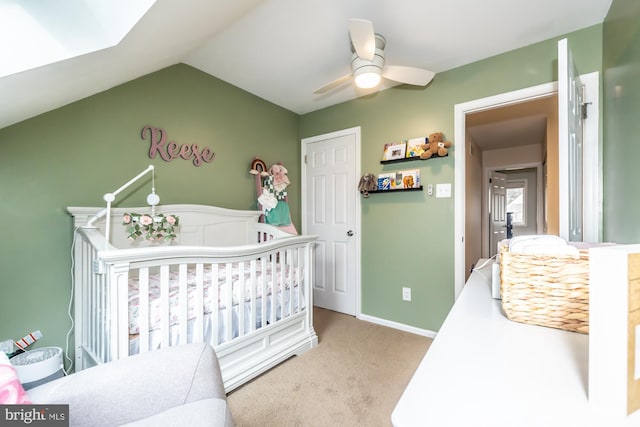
[
  {"x": 334, "y": 84},
  {"x": 409, "y": 75},
  {"x": 363, "y": 38}
]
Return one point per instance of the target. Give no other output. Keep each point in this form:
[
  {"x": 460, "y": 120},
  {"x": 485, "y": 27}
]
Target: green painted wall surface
[
  {"x": 73, "y": 155},
  {"x": 621, "y": 148},
  {"x": 407, "y": 238}
]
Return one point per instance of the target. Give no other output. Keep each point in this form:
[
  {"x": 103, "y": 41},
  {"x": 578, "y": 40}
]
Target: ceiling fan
[{"x": 367, "y": 62}]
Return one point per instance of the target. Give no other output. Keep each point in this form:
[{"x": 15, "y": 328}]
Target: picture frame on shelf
[{"x": 394, "y": 151}]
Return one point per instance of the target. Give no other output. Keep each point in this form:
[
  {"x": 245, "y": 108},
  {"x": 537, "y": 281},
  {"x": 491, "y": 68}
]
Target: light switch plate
[{"x": 443, "y": 190}]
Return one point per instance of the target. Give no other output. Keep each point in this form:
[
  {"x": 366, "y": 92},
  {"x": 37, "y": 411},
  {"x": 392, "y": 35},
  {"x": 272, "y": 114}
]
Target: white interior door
[
  {"x": 331, "y": 207},
  {"x": 570, "y": 145},
  {"x": 497, "y": 210}
]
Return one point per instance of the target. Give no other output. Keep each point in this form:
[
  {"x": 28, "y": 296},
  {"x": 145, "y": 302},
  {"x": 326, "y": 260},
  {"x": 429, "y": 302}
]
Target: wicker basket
[{"x": 546, "y": 290}]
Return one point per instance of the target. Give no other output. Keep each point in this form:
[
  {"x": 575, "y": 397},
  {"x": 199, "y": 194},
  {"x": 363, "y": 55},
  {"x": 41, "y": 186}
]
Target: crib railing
[
  {"x": 102, "y": 291},
  {"x": 90, "y": 300}
]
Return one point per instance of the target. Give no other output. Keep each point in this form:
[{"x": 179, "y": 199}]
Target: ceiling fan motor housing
[{"x": 360, "y": 66}]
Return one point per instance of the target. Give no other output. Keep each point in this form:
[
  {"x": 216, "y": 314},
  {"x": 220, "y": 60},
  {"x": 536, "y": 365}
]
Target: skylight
[{"x": 40, "y": 32}]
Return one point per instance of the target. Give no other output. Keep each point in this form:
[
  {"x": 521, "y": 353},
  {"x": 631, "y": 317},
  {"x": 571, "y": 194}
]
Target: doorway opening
[
  {"x": 512, "y": 140},
  {"x": 469, "y": 246}
]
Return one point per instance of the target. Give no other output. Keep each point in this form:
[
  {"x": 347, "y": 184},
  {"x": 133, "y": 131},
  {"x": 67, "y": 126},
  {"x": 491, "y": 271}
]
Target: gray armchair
[{"x": 179, "y": 385}]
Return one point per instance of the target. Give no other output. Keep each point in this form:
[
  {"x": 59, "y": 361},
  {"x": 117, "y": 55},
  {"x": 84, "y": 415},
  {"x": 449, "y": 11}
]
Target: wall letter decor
[{"x": 172, "y": 150}]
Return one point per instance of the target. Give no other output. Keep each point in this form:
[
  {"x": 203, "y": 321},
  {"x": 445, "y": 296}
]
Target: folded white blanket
[
  {"x": 542, "y": 244},
  {"x": 551, "y": 250},
  {"x": 537, "y": 239}
]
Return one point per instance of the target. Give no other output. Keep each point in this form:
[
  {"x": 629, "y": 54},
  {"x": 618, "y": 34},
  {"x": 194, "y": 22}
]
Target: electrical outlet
[{"x": 406, "y": 294}]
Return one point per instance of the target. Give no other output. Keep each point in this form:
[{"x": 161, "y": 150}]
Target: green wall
[
  {"x": 73, "y": 155},
  {"x": 621, "y": 150},
  {"x": 407, "y": 238}
]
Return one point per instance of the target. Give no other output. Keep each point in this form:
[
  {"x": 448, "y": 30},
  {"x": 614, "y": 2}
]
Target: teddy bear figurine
[{"x": 436, "y": 146}]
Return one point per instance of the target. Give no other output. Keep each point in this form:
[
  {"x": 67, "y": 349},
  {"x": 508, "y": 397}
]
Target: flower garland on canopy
[{"x": 155, "y": 227}]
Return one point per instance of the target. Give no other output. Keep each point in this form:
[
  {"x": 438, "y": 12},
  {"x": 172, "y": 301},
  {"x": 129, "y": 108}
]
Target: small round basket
[{"x": 35, "y": 367}]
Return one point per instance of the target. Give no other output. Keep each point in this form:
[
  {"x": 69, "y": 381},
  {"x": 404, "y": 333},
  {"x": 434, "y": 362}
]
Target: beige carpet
[{"x": 354, "y": 377}]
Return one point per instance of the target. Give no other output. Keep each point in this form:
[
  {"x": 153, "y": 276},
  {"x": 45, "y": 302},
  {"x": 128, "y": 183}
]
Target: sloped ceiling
[{"x": 282, "y": 50}]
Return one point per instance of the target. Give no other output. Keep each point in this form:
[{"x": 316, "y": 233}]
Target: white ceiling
[{"x": 282, "y": 50}]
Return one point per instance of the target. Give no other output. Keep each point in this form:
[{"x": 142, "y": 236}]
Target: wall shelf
[
  {"x": 397, "y": 190},
  {"x": 410, "y": 159}
]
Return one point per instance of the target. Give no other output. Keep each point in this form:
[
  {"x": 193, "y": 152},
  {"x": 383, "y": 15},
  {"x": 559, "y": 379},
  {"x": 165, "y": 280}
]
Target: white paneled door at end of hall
[{"x": 330, "y": 201}]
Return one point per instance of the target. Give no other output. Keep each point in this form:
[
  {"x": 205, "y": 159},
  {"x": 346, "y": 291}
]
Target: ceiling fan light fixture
[
  {"x": 368, "y": 74},
  {"x": 368, "y": 79}
]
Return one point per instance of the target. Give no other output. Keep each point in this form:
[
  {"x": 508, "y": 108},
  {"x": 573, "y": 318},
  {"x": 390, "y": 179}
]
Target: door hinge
[
  {"x": 305, "y": 159},
  {"x": 583, "y": 110}
]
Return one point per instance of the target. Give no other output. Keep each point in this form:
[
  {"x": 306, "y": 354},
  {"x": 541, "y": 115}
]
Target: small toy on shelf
[
  {"x": 436, "y": 146},
  {"x": 367, "y": 183}
]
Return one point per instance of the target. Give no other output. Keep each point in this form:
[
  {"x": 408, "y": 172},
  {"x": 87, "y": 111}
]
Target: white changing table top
[{"x": 485, "y": 370}]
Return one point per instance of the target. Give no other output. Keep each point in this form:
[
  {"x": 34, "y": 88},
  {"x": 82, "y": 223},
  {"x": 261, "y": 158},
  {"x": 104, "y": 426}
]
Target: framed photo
[{"x": 394, "y": 150}]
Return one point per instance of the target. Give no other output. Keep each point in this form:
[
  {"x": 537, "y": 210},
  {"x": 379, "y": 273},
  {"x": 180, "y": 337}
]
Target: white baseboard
[{"x": 396, "y": 325}]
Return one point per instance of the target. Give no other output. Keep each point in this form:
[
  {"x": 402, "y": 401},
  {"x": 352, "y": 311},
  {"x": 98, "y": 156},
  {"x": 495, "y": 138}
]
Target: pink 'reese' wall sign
[{"x": 168, "y": 151}]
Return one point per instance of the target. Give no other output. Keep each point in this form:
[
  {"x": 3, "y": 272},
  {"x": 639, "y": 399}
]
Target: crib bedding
[
  {"x": 245, "y": 280},
  {"x": 288, "y": 304}
]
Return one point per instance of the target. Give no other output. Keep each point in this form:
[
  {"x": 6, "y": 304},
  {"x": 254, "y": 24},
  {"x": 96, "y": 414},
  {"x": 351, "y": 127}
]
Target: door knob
[{"x": 350, "y": 233}]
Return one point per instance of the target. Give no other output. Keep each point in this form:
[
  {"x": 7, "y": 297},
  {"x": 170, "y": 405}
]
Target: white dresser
[{"x": 485, "y": 370}]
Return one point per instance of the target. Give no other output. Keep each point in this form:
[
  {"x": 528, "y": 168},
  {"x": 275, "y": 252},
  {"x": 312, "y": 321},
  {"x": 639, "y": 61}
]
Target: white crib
[{"x": 243, "y": 286}]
